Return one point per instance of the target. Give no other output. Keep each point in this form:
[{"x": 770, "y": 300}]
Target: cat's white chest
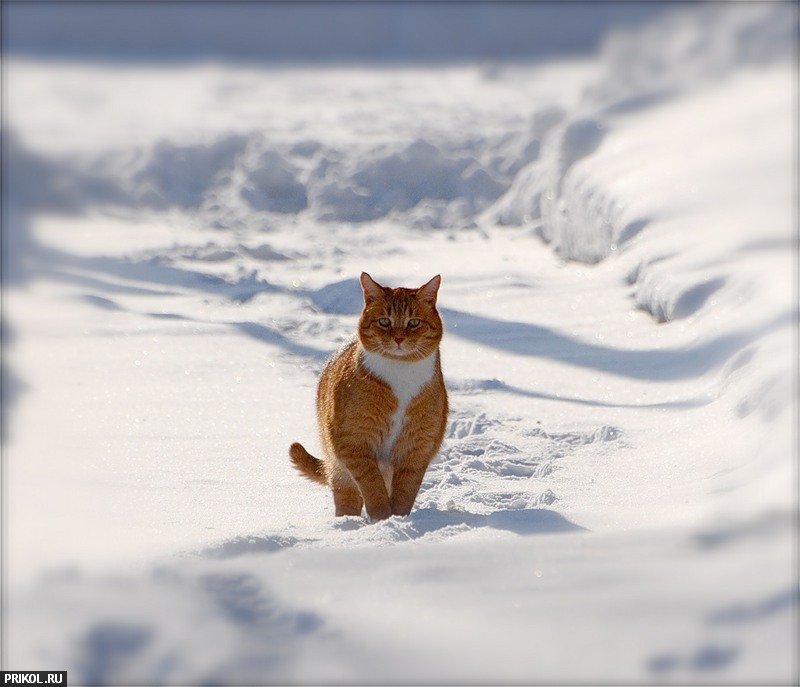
[{"x": 406, "y": 380}]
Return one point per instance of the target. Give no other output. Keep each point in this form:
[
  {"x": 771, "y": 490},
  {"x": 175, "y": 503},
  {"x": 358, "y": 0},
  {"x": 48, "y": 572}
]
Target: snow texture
[{"x": 614, "y": 500}]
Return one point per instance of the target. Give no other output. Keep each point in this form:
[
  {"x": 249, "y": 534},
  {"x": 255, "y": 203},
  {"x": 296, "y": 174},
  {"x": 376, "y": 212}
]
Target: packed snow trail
[{"x": 613, "y": 501}]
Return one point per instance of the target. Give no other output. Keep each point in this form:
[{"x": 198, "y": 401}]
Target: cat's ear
[
  {"x": 372, "y": 289},
  {"x": 428, "y": 292}
]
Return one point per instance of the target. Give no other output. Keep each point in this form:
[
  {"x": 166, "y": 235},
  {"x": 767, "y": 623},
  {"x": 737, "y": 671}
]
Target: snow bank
[
  {"x": 690, "y": 48},
  {"x": 584, "y": 212},
  {"x": 686, "y": 50},
  {"x": 334, "y": 185}
]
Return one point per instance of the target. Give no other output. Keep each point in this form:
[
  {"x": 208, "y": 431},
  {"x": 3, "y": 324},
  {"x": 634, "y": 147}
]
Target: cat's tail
[{"x": 306, "y": 464}]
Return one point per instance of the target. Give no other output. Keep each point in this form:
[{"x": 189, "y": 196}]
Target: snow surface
[{"x": 614, "y": 500}]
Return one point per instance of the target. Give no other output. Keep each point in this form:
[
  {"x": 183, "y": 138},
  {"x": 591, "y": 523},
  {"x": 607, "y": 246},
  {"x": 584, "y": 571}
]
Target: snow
[{"x": 615, "y": 497}]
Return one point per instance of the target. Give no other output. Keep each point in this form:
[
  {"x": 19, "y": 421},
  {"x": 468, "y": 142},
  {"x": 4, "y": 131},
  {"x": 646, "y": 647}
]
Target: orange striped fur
[{"x": 381, "y": 404}]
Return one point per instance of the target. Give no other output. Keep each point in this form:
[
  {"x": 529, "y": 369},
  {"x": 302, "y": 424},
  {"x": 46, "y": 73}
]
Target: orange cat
[{"x": 381, "y": 404}]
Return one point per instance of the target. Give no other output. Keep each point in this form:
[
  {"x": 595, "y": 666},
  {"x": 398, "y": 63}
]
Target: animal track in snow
[
  {"x": 577, "y": 438},
  {"x": 461, "y": 427},
  {"x": 487, "y": 464}
]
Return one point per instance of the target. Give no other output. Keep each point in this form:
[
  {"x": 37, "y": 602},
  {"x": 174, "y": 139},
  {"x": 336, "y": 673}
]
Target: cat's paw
[
  {"x": 379, "y": 512},
  {"x": 401, "y": 510}
]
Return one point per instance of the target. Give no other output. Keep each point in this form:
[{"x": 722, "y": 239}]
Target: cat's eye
[
  {"x": 413, "y": 323},
  {"x": 384, "y": 322}
]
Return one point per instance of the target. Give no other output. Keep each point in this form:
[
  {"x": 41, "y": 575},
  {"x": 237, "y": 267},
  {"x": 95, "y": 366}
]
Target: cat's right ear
[{"x": 372, "y": 289}]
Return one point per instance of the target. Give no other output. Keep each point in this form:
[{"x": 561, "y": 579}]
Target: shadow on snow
[{"x": 658, "y": 364}]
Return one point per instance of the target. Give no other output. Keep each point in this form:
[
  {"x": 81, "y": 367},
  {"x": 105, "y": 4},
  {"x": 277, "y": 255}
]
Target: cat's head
[{"x": 401, "y": 324}]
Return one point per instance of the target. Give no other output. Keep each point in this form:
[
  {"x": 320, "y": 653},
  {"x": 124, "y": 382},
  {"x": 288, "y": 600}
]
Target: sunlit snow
[{"x": 614, "y": 500}]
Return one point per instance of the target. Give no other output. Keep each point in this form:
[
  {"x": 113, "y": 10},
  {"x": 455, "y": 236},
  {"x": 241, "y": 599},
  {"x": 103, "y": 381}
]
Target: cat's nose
[{"x": 399, "y": 339}]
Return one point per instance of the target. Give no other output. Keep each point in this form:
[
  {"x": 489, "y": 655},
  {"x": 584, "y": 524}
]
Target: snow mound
[
  {"x": 170, "y": 174},
  {"x": 691, "y": 47},
  {"x": 236, "y": 175},
  {"x": 339, "y": 298},
  {"x": 271, "y": 184},
  {"x": 400, "y": 180},
  {"x": 571, "y": 209}
]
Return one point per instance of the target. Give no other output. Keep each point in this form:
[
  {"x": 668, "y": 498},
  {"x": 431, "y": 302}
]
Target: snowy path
[{"x": 614, "y": 496}]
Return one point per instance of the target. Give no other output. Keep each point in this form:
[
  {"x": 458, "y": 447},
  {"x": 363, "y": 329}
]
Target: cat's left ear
[{"x": 428, "y": 292}]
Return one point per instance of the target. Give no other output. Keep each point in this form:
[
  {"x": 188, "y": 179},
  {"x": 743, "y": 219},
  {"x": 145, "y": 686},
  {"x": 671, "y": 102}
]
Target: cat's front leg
[
  {"x": 406, "y": 481},
  {"x": 347, "y": 498},
  {"x": 373, "y": 490},
  {"x": 417, "y": 445},
  {"x": 363, "y": 467},
  {"x": 413, "y": 453}
]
